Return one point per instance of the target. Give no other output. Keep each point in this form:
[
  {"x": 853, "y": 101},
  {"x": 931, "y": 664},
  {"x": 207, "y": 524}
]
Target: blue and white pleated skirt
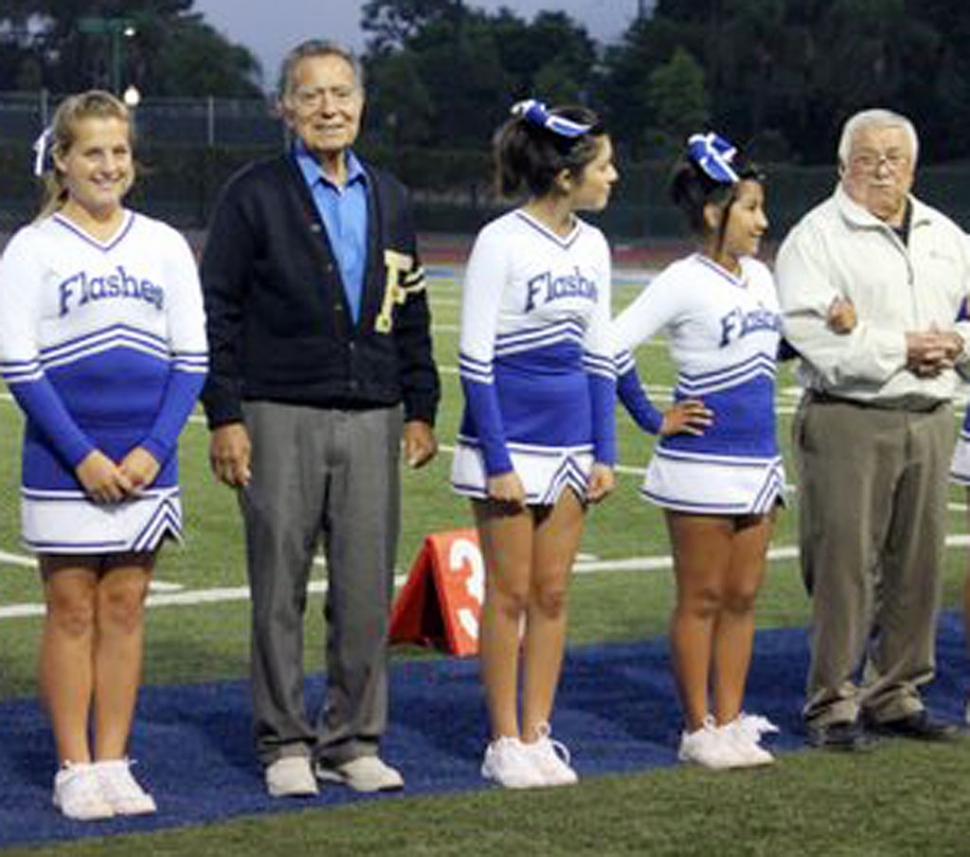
[
  {"x": 67, "y": 522},
  {"x": 545, "y": 471},
  {"x": 707, "y": 484},
  {"x": 960, "y": 466}
]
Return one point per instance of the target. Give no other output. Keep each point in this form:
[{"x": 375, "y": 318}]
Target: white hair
[{"x": 875, "y": 118}]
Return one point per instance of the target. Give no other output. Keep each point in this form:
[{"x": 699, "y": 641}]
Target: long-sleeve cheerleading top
[
  {"x": 102, "y": 343},
  {"x": 536, "y": 358},
  {"x": 723, "y": 333}
]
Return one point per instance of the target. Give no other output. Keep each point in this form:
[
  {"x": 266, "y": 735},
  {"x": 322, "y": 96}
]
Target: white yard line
[
  {"x": 165, "y": 594},
  {"x": 219, "y": 595},
  {"x": 7, "y": 558}
]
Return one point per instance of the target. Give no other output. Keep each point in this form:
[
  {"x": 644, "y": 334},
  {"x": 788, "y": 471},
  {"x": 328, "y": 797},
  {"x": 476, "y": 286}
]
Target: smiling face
[
  {"x": 746, "y": 225},
  {"x": 878, "y": 171},
  {"x": 97, "y": 169},
  {"x": 323, "y": 105},
  {"x": 591, "y": 191}
]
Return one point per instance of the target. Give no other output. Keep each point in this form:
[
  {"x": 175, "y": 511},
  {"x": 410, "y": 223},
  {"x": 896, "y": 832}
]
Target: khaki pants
[{"x": 872, "y": 506}]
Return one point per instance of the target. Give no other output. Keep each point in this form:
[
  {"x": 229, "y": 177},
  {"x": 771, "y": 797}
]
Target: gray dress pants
[{"x": 327, "y": 476}]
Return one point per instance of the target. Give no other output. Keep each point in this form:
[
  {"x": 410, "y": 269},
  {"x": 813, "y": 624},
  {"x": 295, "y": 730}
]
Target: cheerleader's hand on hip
[
  {"x": 506, "y": 488},
  {"x": 601, "y": 482},
  {"x": 690, "y": 416},
  {"x": 103, "y": 480}
]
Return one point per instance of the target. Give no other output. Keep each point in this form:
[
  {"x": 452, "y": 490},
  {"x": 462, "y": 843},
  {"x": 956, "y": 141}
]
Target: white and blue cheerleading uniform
[
  {"x": 723, "y": 334},
  {"x": 960, "y": 466},
  {"x": 103, "y": 346},
  {"x": 536, "y": 359}
]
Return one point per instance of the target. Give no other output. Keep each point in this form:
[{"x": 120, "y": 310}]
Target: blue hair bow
[
  {"x": 713, "y": 154},
  {"x": 43, "y": 159},
  {"x": 538, "y": 114}
]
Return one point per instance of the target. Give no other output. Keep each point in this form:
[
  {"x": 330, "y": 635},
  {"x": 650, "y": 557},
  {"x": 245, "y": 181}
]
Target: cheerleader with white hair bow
[{"x": 102, "y": 344}]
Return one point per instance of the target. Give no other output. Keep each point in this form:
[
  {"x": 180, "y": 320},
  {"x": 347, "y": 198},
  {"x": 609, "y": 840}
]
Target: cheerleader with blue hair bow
[{"x": 716, "y": 470}]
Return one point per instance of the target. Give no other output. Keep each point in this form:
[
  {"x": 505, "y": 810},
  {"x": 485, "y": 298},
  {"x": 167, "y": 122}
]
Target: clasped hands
[
  {"x": 106, "y": 481},
  {"x": 928, "y": 353},
  {"x": 931, "y": 352}
]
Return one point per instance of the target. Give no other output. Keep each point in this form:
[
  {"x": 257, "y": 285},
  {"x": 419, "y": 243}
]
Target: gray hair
[
  {"x": 315, "y": 48},
  {"x": 875, "y": 118}
]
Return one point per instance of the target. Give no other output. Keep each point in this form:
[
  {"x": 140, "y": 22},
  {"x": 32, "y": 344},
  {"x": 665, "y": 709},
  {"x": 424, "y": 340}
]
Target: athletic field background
[{"x": 900, "y": 799}]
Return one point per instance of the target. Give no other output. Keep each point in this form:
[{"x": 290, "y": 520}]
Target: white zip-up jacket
[{"x": 839, "y": 249}]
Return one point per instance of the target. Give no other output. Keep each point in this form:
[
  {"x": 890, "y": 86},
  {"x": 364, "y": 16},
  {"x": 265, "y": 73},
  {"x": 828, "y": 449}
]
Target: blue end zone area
[{"x": 616, "y": 711}]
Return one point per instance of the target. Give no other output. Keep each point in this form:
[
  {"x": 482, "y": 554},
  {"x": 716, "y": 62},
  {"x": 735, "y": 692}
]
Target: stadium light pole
[{"x": 115, "y": 28}]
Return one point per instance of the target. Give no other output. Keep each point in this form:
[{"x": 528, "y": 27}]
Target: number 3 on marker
[{"x": 466, "y": 568}]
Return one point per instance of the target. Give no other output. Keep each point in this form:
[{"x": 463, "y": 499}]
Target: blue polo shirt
[{"x": 344, "y": 214}]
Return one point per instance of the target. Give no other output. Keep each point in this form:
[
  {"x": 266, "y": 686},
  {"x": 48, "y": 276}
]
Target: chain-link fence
[
  {"x": 187, "y": 149},
  {"x": 176, "y": 121}
]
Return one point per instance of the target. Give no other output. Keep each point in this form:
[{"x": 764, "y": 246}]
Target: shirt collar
[
  {"x": 917, "y": 213},
  {"x": 310, "y": 166}
]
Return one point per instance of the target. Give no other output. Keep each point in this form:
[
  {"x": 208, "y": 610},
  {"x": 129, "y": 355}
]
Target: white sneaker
[
  {"x": 509, "y": 763},
  {"x": 363, "y": 774},
  {"x": 709, "y": 747},
  {"x": 551, "y": 758},
  {"x": 291, "y": 776},
  {"x": 756, "y": 725},
  {"x": 77, "y": 793},
  {"x": 744, "y": 738},
  {"x": 121, "y": 789}
]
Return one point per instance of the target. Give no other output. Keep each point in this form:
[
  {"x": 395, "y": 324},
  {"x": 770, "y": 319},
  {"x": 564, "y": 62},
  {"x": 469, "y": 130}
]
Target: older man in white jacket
[{"x": 875, "y": 431}]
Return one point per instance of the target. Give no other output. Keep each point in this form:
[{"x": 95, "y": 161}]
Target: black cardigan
[{"x": 277, "y": 317}]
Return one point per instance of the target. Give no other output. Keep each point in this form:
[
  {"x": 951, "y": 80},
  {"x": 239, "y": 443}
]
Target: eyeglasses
[
  {"x": 870, "y": 162},
  {"x": 310, "y": 98}
]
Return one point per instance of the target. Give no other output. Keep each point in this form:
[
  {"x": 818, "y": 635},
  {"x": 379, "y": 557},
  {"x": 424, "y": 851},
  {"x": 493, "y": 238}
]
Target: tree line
[
  {"x": 162, "y": 47},
  {"x": 779, "y": 76}
]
